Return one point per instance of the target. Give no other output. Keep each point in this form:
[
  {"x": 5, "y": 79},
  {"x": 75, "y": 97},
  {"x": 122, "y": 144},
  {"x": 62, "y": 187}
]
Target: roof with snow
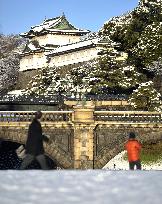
[
  {"x": 74, "y": 46},
  {"x": 57, "y": 25},
  {"x": 88, "y": 41},
  {"x": 34, "y": 46}
]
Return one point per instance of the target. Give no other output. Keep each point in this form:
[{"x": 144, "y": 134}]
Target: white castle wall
[
  {"x": 74, "y": 57},
  {"x": 56, "y": 39},
  {"x": 33, "y": 61},
  {"x": 39, "y": 60}
]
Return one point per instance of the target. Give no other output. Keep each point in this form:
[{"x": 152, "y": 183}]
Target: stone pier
[{"x": 83, "y": 120}]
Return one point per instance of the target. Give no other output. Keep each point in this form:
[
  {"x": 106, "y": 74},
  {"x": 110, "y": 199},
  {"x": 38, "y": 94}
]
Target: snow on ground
[
  {"x": 80, "y": 187},
  {"x": 16, "y": 92},
  {"x": 118, "y": 163}
]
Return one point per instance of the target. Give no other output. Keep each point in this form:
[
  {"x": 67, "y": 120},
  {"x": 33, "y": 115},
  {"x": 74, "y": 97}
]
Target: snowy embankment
[
  {"x": 118, "y": 163},
  {"x": 80, "y": 187}
]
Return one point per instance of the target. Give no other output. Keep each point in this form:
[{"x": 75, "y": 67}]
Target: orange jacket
[{"x": 133, "y": 148}]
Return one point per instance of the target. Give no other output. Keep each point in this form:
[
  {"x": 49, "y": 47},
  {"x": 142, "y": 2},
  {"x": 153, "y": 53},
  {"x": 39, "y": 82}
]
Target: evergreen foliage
[
  {"x": 145, "y": 97},
  {"x": 114, "y": 76},
  {"x": 139, "y": 34},
  {"x": 42, "y": 83}
]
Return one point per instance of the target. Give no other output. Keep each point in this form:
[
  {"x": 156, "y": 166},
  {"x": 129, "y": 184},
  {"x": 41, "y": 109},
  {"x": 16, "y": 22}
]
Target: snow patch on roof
[
  {"x": 51, "y": 24},
  {"x": 31, "y": 46},
  {"x": 74, "y": 46}
]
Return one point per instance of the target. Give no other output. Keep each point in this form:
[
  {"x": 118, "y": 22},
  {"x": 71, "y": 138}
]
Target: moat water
[{"x": 10, "y": 160}]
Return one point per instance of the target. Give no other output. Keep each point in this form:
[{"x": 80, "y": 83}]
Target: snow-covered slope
[
  {"x": 80, "y": 187},
  {"x": 118, "y": 163}
]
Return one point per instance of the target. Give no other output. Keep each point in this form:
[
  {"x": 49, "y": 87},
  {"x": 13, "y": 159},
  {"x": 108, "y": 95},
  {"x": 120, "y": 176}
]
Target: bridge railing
[
  {"x": 26, "y": 116},
  {"x": 99, "y": 116},
  {"x": 128, "y": 116}
]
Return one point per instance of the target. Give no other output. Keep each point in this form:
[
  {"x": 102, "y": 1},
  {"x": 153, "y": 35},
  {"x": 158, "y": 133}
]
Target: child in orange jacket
[{"x": 133, "y": 148}]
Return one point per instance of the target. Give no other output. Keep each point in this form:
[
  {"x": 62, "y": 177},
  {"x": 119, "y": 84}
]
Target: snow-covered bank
[
  {"x": 118, "y": 163},
  {"x": 80, "y": 187}
]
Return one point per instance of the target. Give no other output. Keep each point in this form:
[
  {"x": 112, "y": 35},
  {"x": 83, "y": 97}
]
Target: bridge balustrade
[
  {"x": 27, "y": 116},
  {"x": 128, "y": 116},
  {"x": 105, "y": 116}
]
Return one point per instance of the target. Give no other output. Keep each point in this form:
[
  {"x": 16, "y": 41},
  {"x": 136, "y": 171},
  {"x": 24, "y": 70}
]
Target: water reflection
[{"x": 10, "y": 160}]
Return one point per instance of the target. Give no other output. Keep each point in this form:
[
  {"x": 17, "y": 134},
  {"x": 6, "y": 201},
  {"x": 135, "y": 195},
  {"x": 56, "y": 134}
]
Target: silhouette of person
[{"x": 34, "y": 145}]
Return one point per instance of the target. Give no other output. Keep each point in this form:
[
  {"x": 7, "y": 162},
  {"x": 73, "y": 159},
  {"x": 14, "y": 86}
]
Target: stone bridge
[{"x": 83, "y": 138}]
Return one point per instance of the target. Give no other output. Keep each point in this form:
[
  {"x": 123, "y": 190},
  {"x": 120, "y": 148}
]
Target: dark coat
[{"x": 34, "y": 143}]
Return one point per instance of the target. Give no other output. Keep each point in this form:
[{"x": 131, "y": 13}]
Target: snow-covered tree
[
  {"x": 114, "y": 76},
  {"x": 9, "y": 61},
  {"x": 49, "y": 81},
  {"x": 139, "y": 32},
  {"x": 42, "y": 83},
  {"x": 9, "y": 67},
  {"x": 145, "y": 97}
]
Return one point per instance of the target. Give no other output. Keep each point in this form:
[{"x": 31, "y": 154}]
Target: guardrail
[
  {"x": 26, "y": 116},
  {"x": 128, "y": 116}
]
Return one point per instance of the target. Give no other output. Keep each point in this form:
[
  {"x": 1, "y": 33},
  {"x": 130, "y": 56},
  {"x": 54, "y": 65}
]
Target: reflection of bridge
[{"x": 83, "y": 138}]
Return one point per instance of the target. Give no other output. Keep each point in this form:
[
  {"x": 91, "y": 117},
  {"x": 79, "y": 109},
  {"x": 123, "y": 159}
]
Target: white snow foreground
[
  {"x": 80, "y": 187},
  {"x": 118, "y": 163}
]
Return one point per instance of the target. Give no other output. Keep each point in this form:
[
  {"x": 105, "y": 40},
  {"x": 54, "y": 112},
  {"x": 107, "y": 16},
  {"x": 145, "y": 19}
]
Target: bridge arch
[{"x": 52, "y": 150}]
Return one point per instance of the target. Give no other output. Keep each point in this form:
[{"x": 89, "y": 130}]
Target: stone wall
[
  {"x": 24, "y": 78},
  {"x": 83, "y": 143}
]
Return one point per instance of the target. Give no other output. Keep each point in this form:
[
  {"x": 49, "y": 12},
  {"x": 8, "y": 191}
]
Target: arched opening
[{"x": 10, "y": 160}]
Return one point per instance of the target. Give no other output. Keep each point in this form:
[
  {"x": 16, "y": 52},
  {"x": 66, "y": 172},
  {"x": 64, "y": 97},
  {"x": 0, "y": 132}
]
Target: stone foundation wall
[{"x": 24, "y": 78}]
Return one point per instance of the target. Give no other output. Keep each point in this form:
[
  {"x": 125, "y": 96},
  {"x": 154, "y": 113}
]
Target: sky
[{"x": 17, "y": 16}]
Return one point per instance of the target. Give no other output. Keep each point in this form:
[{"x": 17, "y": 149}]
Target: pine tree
[
  {"x": 113, "y": 74},
  {"x": 146, "y": 98},
  {"x": 138, "y": 32}
]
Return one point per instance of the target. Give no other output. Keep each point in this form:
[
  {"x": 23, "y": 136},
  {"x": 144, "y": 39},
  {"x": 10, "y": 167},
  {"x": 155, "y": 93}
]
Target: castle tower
[{"x": 45, "y": 37}]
